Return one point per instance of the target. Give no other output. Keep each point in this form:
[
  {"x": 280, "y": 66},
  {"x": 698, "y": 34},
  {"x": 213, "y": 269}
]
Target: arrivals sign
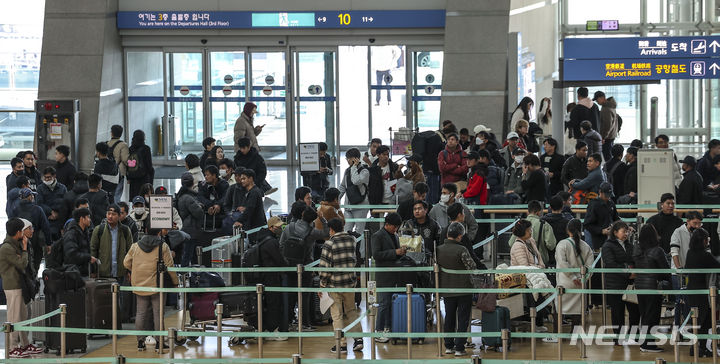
[{"x": 641, "y": 59}]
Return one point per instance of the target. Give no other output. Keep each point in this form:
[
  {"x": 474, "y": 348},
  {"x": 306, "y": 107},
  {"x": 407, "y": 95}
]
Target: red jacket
[
  {"x": 477, "y": 188},
  {"x": 452, "y": 165}
]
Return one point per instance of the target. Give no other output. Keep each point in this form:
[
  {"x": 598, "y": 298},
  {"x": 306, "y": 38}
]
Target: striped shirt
[{"x": 338, "y": 252}]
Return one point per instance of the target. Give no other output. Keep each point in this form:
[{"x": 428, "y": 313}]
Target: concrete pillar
[
  {"x": 82, "y": 58},
  {"x": 475, "y": 64}
]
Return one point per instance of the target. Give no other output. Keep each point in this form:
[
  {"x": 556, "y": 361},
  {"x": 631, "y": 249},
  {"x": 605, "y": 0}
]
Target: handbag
[
  {"x": 486, "y": 302},
  {"x": 630, "y": 297},
  {"x": 414, "y": 243}
]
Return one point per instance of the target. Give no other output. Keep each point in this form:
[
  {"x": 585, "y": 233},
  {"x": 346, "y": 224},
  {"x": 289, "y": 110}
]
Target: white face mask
[
  {"x": 48, "y": 183},
  {"x": 519, "y": 159},
  {"x": 223, "y": 173},
  {"x": 138, "y": 211},
  {"x": 479, "y": 141},
  {"x": 444, "y": 198}
]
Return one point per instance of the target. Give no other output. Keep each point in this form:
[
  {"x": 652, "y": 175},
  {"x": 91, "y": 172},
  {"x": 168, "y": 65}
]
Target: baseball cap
[
  {"x": 161, "y": 190},
  {"x": 113, "y": 208},
  {"x": 26, "y": 223},
  {"x": 138, "y": 199},
  {"x": 598, "y": 94},
  {"x": 25, "y": 192},
  {"x": 512, "y": 134},
  {"x": 480, "y": 127},
  {"x": 274, "y": 221},
  {"x": 689, "y": 160},
  {"x": 519, "y": 151}
]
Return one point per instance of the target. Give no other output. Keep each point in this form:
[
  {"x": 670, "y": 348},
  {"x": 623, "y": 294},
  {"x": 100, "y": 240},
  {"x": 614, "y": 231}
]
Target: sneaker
[
  {"x": 449, "y": 351},
  {"x": 358, "y": 345},
  {"x": 271, "y": 191},
  {"x": 343, "y": 349},
  {"x": 309, "y": 328},
  {"x": 460, "y": 352},
  {"x": 383, "y": 339},
  {"x": 541, "y": 329},
  {"x": 18, "y": 353},
  {"x": 669, "y": 313},
  {"x": 141, "y": 345},
  {"x": 276, "y": 338},
  {"x": 32, "y": 349},
  {"x": 469, "y": 344},
  {"x": 550, "y": 340},
  {"x": 157, "y": 348},
  {"x": 651, "y": 349}
]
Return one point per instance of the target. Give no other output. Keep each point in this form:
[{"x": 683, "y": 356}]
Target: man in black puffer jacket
[
  {"x": 76, "y": 242},
  {"x": 601, "y": 213}
]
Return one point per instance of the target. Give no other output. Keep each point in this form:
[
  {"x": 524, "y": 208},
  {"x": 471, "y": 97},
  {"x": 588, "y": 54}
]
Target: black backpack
[
  {"x": 354, "y": 197},
  {"x": 252, "y": 259},
  {"x": 294, "y": 248},
  {"x": 111, "y": 151},
  {"x": 375, "y": 188}
]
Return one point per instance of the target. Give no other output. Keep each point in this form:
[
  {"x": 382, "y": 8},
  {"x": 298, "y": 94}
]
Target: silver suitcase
[
  {"x": 37, "y": 308},
  {"x": 222, "y": 257}
]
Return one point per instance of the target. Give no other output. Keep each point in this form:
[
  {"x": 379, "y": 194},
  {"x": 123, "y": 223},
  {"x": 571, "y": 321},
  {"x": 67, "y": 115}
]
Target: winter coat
[
  {"x": 101, "y": 248},
  {"x": 574, "y": 168},
  {"x": 546, "y": 244},
  {"x": 567, "y": 257},
  {"x": 594, "y": 142},
  {"x": 506, "y": 155},
  {"x": 653, "y": 258},
  {"x": 328, "y": 212},
  {"x": 580, "y": 113},
  {"x": 558, "y": 222},
  {"x": 191, "y": 212},
  {"x": 34, "y": 177},
  {"x": 520, "y": 254},
  {"x": 145, "y": 154},
  {"x": 253, "y": 160},
  {"x": 76, "y": 248},
  {"x": 690, "y": 191},
  {"x": 13, "y": 200},
  {"x": 210, "y": 195},
  {"x": 13, "y": 260},
  {"x": 452, "y": 165},
  {"x": 65, "y": 173},
  {"x": 384, "y": 246},
  {"x": 429, "y": 231},
  {"x": 630, "y": 184},
  {"x": 78, "y": 189},
  {"x": 198, "y": 176},
  {"x": 513, "y": 179},
  {"x": 452, "y": 255},
  {"x": 591, "y": 182},
  {"x": 110, "y": 174},
  {"x": 51, "y": 199},
  {"x": 707, "y": 169},
  {"x": 244, "y": 128},
  {"x": 553, "y": 164},
  {"x": 308, "y": 233},
  {"x": 121, "y": 152},
  {"x": 600, "y": 215},
  {"x": 439, "y": 214},
  {"x": 665, "y": 226},
  {"x": 142, "y": 259},
  {"x": 34, "y": 213},
  {"x": 495, "y": 179},
  {"x": 234, "y": 198},
  {"x": 609, "y": 119},
  {"x": 477, "y": 188},
  {"x": 534, "y": 186},
  {"x": 270, "y": 256},
  {"x": 615, "y": 256},
  {"x": 99, "y": 201},
  {"x": 254, "y": 214},
  {"x": 359, "y": 176}
]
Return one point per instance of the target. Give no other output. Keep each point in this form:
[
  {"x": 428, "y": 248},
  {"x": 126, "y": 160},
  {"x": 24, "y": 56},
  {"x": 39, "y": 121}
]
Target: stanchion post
[
  {"x": 533, "y": 348},
  {"x": 475, "y": 359},
  {"x": 583, "y": 303},
  {"x": 604, "y": 302},
  {"x": 114, "y": 288},
  {"x": 296, "y": 359},
  {"x": 696, "y": 346},
  {"x": 338, "y": 343},
  {"x": 161, "y": 339},
  {"x": 560, "y": 292},
  {"x": 120, "y": 359},
  {"x": 371, "y": 319},
  {"x": 494, "y": 255},
  {"x": 259, "y": 289},
  {"x": 219, "y": 315},
  {"x": 172, "y": 336},
  {"x": 505, "y": 336},
  {"x": 63, "y": 320},
  {"x": 438, "y": 326},
  {"x": 7, "y": 329},
  {"x": 660, "y": 361},
  {"x": 713, "y": 315},
  {"x": 408, "y": 291},
  {"x": 300, "y": 269},
  {"x": 199, "y": 254},
  {"x": 677, "y": 336}
]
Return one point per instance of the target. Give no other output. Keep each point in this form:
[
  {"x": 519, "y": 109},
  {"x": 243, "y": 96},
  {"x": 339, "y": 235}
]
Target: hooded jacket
[
  {"x": 582, "y": 111},
  {"x": 452, "y": 164},
  {"x": 707, "y": 170},
  {"x": 558, "y": 222},
  {"x": 303, "y": 229},
  {"x": 76, "y": 248},
  {"x": 191, "y": 212},
  {"x": 594, "y": 142},
  {"x": 253, "y": 160},
  {"x": 13, "y": 260},
  {"x": 80, "y": 188},
  {"x": 690, "y": 191},
  {"x": 65, "y": 173},
  {"x": 141, "y": 260},
  {"x": 32, "y": 212},
  {"x": 608, "y": 119}
]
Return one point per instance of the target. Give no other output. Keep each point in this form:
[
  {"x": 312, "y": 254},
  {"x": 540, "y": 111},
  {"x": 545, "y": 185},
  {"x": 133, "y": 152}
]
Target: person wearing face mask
[
  {"x": 17, "y": 170},
  {"x": 439, "y": 212},
  {"x": 226, "y": 171},
  {"x": 679, "y": 246},
  {"x": 244, "y": 127},
  {"x": 690, "y": 191},
  {"x": 513, "y": 178},
  {"x": 50, "y": 199},
  {"x": 139, "y": 213}
]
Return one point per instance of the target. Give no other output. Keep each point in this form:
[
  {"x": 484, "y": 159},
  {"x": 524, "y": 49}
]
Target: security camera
[
  {"x": 203, "y": 41},
  {"x": 371, "y": 40}
]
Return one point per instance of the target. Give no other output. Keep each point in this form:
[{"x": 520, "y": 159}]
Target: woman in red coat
[{"x": 477, "y": 188}]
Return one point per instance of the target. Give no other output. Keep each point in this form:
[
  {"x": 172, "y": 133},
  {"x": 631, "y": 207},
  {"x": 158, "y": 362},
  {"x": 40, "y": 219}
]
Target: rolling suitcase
[
  {"x": 399, "y": 314},
  {"x": 222, "y": 257},
  {"x": 37, "y": 308},
  {"x": 238, "y": 303},
  {"x": 316, "y": 315},
  {"x": 75, "y": 301},
  {"x": 202, "y": 306},
  {"x": 98, "y": 301},
  {"x": 495, "y": 321}
]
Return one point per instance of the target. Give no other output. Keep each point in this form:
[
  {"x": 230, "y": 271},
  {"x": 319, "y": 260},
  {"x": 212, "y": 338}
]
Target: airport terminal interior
[{"x": 445, "y": 181}]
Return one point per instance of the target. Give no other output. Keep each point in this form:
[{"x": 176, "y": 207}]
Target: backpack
[
  {"x": 421, "y": 141},
  {"x": 57, "y": 255},
  {"x": 135, "y": 169},
  {"x": 354, "y": 197},
  {"x": 294, "y": 248},
  {"x": 375, "y": 188},
  {"x": 111, "y": 151},
  {"x": 252, "y": 259}
]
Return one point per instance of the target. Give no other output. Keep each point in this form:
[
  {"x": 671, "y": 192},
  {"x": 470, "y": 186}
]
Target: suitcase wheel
[
  {"x": 180, "y": 341},
  {"x": 421, "y": 341},
  {"x": 192, "y": 338}
]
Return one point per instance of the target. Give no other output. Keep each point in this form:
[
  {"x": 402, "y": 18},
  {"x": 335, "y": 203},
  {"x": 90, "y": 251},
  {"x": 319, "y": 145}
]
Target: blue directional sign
[
  {"x": 166, "y": 19},
  {"x": 647, "y": 48},
  {"x": 640, "y": 70}
]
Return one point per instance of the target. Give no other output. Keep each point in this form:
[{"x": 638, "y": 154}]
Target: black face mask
[{"x": 691, "y": 229}]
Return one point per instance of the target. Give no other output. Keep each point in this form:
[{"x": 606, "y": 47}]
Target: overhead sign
[
  {"x": 602, "y": 25},
  {"x": 161, "y": 212},
  {"x": 643, "y": 48},
  {"x": 640, "y": 70},
  {"x": 309, "y": 157},
  {"x": 337, "y": 19}
]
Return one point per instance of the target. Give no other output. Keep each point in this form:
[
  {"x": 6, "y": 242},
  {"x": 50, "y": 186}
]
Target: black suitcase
[
  {"x": 98, "y": 301},
  {"x": 316, "y": 316},
  {"x": 75, "y": 301},
  {"x": 236, "y": 262},
  {"x": 238, "y": 303}
]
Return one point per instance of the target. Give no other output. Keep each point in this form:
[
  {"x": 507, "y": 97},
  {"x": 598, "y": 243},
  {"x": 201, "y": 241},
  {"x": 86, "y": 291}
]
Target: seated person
[
  {"x": 249, "y": 158},
  {"x": 422, "y": 225},
  {"x": 405, "y": 208}
]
